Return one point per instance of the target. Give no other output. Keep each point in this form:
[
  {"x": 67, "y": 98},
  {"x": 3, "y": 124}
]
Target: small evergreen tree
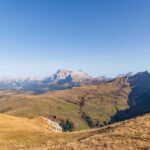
[{"x": 67, "y": 125}]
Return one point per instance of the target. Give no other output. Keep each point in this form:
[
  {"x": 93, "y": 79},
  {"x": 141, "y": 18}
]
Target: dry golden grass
[
  {"x": 129, "y": 135},
  {"x": 25, "y": 134}
]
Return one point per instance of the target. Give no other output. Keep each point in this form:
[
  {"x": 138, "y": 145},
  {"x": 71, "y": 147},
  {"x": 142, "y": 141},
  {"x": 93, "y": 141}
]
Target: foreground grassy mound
[
  {"x": 21, "y": 134},
  {"x": 86, "y": 106}
]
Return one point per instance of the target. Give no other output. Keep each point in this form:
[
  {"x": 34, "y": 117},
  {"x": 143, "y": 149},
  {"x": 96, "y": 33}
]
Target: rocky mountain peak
[{"x": 70, "y": 76}]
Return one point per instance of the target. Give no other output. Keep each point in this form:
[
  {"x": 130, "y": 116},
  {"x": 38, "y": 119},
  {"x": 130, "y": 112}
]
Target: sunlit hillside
[
  {"x": 97, "y": 102},
  {"x": 22, "y": 134}
]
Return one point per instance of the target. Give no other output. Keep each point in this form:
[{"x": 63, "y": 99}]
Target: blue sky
[{"x": 101, "y": 37}]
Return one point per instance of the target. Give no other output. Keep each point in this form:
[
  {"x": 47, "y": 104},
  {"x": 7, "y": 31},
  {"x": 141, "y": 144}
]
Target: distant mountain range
[
  {"x": 64, "y": 79},
  {"x": 60, "y": 80}
]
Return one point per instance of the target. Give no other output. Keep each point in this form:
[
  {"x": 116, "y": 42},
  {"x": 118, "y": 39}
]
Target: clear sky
[{"x": 101, "y": 37}]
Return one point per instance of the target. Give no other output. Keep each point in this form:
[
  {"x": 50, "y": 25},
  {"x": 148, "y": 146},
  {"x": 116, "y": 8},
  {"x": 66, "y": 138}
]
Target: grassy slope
[
  {"x": 21, "y": 134},
  {"x": 100, "y": 102}
]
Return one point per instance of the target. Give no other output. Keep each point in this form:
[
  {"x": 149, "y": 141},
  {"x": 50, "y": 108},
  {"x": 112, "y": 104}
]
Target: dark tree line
[{"x": 90, "y": 122}]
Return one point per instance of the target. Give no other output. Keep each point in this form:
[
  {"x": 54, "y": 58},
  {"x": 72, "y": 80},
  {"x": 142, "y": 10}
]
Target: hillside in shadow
[{"x": 138, "y": 99}]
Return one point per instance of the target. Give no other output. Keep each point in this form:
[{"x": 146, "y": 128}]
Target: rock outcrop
[{"x": 53, "y": 125}]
